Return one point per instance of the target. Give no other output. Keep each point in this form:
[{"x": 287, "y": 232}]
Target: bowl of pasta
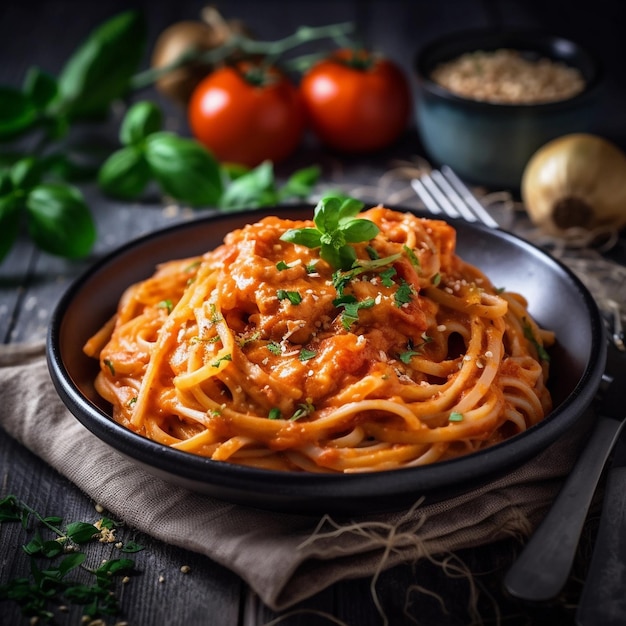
[{"x": 336, "y": 358}]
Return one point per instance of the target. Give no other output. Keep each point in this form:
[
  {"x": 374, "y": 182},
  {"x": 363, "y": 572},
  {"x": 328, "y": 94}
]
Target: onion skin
[
  {"x": 576, "y": 181},
  {"x": 171, "y": 44},
  {"x": 188, "y": 36}
]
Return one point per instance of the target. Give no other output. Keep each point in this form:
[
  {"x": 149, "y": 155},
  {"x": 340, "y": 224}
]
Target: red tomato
[
  {"x": 246, "y": 115},
  {"x": 356, "y": 102}
]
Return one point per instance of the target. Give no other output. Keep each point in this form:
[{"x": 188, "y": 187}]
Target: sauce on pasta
[{"x": 260, "y": 353}]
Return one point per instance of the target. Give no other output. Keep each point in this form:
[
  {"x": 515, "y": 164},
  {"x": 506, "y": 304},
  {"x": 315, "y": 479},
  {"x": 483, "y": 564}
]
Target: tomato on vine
[
  {"x": 356, "y": 101},
  {"x": 247, "y": 114}
]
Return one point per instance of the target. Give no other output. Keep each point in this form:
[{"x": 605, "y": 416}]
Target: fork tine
[
  {"x": 440, "y": 196},
  {"x": 429, "y": 202},
  {"x": 433, "y": 197},
  {"x": 444, "y": 192},
  {"x": 470, "y": 199},
  {"x": 450, "y": 192}
]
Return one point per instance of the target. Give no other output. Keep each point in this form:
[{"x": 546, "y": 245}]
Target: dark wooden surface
[{"x": 45, "y": 33}]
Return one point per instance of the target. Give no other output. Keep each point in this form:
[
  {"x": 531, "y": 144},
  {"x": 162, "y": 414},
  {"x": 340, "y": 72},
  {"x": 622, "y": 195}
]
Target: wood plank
[
  {"x": 193, "y": 598},
  {"x": 13, "y": 272}
]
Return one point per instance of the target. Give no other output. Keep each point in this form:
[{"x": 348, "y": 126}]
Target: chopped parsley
[
  {"x": 281, "y": 265},
  {"x": 436, "y": 279},
  {"x": 198, "y": 339},
  {"x": 215, "y": 316},
  {"x": 415, "y": 262},
  {"x": 305, "y": 354},
  {"x": 342, "y": 278},
  {"x": 242, "y": 342},
  {"x": 528, "y": 333},
  {"x": 109, "y": 364},
  {"x": 166, "y": 304},
  {"x": 455, "y": 417},
  {"x": 274, "y": 348},
  {"x": 405, "y": 293},
  {"x": 304, "y": 409},
  {"x": 386, "y": 276},
  {"x": 274, "y": 414},
  {"x": 293, "y": 296},
  {"x": 351, "y": 307},
  {"x": 226, "y": 357},
  {"x": 409, "y": 353},
  {"x": 412, "y": 350}
]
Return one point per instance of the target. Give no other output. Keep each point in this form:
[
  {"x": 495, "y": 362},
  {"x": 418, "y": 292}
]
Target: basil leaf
[
  {"x": 59, "y": 221},
  {"x": 81, "y": 532},
  {"x": 251, "y": 190},
  {"x": 184, "y": 169},
  {"x": 101, "y": 68},
  {"x": 9, "y": 222},
  {"x": 308, "y": 237},
  {"x": 40, "y": 87},
  {"x": 348, "y": 209},
  {"x": 17, "y": 112},
  {"x": 6, "y": 184},
  {"x": 357, "y": 230},
  {"x": 26, "y": 173},
  {"x": 326, "y": 214},
  {"x": 66, "y": 168},
  {"x": 116, "y": 566},
  {"x": 300, "y": 184},
  {"x": 70, "y": 562},
  {"x": 51, "y": 548},
  {"x": 342, "y": 258},
  {"x": 125, "y": 173},
  {"x": 232, "y": 171},
  {"x": 141, "y": 120}
]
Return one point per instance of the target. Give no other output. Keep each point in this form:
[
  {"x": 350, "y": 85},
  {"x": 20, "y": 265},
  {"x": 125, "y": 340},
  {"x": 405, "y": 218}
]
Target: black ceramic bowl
[
  {"x": 557, "y": 299},
  {"x": 491, "y": 143}
]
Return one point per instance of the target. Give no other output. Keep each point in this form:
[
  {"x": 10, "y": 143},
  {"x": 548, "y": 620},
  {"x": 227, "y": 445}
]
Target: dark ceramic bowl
[
  {"x": 557, "y": 298},
  {"x": 489, "y": 143}
]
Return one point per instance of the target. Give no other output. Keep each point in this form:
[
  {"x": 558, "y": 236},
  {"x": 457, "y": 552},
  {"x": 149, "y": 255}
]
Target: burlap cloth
[{"x": 284, "y": 558}]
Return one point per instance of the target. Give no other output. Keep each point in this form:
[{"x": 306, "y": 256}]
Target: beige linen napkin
[{"x": 284, "y": 558}]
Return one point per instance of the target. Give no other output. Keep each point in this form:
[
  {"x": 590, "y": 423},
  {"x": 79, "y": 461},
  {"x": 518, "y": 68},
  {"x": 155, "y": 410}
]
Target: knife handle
[
  {"x": 603, "y": 600},
  {"x": 542, "y": 568}
]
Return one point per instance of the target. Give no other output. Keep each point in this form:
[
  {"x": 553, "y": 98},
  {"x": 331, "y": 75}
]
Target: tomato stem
[
  {"x": 240, "y": 45},
  {"x": 358, "y": 59}
]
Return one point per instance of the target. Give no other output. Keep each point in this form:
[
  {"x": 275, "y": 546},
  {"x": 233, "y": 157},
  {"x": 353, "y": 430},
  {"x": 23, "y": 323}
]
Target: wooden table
[{"x": 31, "y": 283}]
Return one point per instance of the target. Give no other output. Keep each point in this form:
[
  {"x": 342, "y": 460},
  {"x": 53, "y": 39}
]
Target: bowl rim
[
  {"x": 309, "y": 491},
  {"x": 473, "y": 37}
]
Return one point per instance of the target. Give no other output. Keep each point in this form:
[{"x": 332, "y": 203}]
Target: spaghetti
[{"x": 260, "y": 353}]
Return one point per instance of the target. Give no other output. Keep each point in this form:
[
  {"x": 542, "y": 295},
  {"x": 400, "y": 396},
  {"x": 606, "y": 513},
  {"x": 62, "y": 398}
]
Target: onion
[
  {"x": 185, "y": 37},
  {"x": 576, "y": 181}
]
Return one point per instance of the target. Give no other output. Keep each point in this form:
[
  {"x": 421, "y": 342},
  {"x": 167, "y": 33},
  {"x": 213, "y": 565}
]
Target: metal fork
[
  {"x": 543, "y": 567},
  {"x": 443, "y": 192}
]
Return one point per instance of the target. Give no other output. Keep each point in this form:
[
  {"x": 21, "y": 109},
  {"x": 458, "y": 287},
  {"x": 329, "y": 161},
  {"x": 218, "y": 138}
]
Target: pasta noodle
[{"x": 260, "y": 353}]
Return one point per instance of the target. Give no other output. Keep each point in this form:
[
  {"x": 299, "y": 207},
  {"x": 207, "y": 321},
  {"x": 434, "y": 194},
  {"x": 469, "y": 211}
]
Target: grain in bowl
[{"x": 507, "y": 76}]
